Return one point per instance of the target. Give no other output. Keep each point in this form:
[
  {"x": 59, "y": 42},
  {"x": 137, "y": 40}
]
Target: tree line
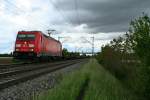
[{"x": 128, "y": 57}]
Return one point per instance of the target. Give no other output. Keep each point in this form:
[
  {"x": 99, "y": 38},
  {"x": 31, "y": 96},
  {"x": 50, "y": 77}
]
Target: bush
[{"x": 128, "y": 57}]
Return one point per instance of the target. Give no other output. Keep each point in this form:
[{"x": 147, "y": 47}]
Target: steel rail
[
  {"x": 28, "y": 75},
  {"x": 24, "y": 69}
]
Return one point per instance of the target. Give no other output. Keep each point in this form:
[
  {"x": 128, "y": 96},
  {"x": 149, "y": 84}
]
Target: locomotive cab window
[{"x": 26, "y": 36}]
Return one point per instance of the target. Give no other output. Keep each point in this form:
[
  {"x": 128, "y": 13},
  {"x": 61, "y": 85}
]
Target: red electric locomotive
[{"x": 33, "y": 44}]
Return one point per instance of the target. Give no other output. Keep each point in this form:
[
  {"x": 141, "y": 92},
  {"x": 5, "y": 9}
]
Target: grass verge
[
  {"x": 6, "y": 60},
  {"x": 102, "y": 85}
]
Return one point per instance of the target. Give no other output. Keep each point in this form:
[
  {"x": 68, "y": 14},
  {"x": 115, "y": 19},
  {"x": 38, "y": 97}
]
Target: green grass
[
  {"x": 10, "y": 60},
  {"x": 6, "y": 60},
  {"x": 102, "y": 85},
  {"x": 68, "y": 89}
]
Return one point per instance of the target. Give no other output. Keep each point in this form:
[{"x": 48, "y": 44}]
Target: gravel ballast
[{"x": 27, "y": 90}]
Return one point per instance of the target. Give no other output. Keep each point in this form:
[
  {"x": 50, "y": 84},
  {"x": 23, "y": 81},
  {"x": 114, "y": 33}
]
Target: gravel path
[{"x": 27, "y": 90}]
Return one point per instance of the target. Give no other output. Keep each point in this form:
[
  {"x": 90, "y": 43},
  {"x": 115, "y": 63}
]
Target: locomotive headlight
[
  {"x": 18, "y": 45},
  {"x": 17, "y": 49},
  {"x": 31, "y": 49},
  {"x": 31, "y": 45}
]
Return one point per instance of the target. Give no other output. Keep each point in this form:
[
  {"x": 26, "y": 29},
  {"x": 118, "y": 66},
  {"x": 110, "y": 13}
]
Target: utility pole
[
  {"x": 62, "y": 42},
  {"x": 93, "y": 40},
  {"x": 60, "y": 38},
  {"x": 91, "y": 43}
]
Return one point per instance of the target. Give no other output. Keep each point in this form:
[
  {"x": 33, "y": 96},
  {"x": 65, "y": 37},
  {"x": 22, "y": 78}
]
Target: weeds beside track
[{"x": 91, "y": 82}]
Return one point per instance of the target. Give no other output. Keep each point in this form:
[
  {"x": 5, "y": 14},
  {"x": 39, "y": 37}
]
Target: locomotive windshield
[{"x": 26, "y": 36}]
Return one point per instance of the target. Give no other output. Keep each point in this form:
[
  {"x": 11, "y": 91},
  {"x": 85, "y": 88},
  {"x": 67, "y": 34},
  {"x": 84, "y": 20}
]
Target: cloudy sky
[{"x": 75, "y": 20}]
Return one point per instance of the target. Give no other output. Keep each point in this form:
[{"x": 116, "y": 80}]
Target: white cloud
[
  {"x": 24, "y": 4},
  {"x": 1, "y": 8},
  {"x": 29, "y": 15},
  {"x": 81, "y": 28},
  {"x": 83, "y": 41}
]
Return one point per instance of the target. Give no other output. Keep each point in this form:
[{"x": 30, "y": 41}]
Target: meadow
[{"x": 91, "y": 82}]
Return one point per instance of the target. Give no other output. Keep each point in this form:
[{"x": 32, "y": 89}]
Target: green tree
[
  {"x": 121, "y": 57},
  {"x": 140, "y": 32},
  {"x": 65, "y": 52}
]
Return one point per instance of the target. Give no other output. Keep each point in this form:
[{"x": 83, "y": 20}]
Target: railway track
[
  {"x": 29, "y": 63},
  {"x": 6, "y": 66},
  {"x": 24, "y": 73}
]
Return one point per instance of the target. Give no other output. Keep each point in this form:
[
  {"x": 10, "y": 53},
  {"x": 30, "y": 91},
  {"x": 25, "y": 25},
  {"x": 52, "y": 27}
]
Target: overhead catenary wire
[
  {"x": 17, "y": 10},
  {"x": 77, "y": 11},
  {"x": 14, "y": 7},
  {"x": 67, "y": 19}
]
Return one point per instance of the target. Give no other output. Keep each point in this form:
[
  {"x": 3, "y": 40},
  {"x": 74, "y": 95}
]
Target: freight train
[{"x": 35, "y": 44}]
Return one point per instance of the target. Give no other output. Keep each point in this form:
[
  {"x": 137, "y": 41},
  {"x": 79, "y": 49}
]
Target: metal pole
[
  {"x": 93, "y": 46},
  {"x": 91, "y": 43},
  {"x": 59, "y": 38}
]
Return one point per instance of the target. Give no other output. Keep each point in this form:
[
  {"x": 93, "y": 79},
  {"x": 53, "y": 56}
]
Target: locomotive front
[{"x": 25, "y": 45}]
